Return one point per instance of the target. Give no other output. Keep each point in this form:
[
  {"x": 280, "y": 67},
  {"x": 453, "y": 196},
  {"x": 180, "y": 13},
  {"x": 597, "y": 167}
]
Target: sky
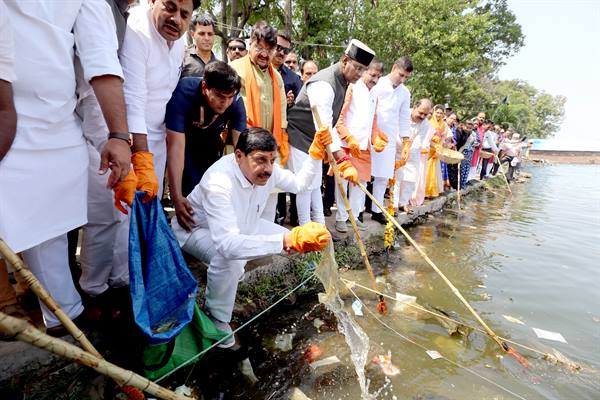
[{"x": 561, "y": 55}]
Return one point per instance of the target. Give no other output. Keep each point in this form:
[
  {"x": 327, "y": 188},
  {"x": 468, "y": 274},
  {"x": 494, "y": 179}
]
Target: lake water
[{"x": 534, "y": 257}]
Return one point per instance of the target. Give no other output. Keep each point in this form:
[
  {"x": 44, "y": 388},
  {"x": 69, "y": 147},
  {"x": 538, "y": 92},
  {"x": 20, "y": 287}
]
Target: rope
[
  {"x": 518, "y": 396},
  {"x": 197, "y": 356},
  {"x": 468, "y": 325}
]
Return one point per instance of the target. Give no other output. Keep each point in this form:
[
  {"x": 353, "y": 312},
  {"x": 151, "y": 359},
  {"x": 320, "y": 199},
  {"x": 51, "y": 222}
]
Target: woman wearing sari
[{"x": 434, "y": 183}]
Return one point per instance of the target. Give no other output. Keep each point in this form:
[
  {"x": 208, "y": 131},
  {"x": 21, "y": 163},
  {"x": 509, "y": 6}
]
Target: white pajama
[
  {"x": 356, "y": 197},
  {"x": 309, "y": 202},
  {"x": 223, "y": 274},
  {"x": 48, "y": 261},
  {"x": 379, "y": 186}
]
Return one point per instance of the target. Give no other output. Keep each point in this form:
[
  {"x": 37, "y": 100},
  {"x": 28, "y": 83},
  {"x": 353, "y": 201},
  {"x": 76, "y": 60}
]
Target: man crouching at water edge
[{"x": 227, "y": 206}]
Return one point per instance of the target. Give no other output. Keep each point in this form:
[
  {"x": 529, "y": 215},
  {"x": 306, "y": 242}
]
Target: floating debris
[
  {"x": 283, "y": 341},
  {"x": 297, "y": 394},
  {"x": 548, "y": 335},
  {"x": 246, "y": 369},
  {"x": 560, "y": 359},
  {"x": 513, "y": 319},
  {"x": 312, "y": 353},
  {"x": 327, "y": 361},
  {"x": 385, "y": 363},
  {"x": 184, "y": 390},
  {"x": 434, "y": 354},
  {"x": 357, "y": 308},
  {"x": 318, "y": 323}
]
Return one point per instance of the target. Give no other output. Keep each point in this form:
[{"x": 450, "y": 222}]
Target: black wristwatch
[{"x": 120, "y": 135}]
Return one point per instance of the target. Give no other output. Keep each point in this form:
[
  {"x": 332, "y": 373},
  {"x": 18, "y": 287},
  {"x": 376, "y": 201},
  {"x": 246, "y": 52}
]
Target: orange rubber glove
[
  {"x": 321, "y": 140},
  {"x": 353, "y": 145},
  {"x": 311, "y": 236},
  {"x": 381, "y": 140},
  {"x": 435, "y": 139},
  {"x": 399, "y": 164},
  {"x": 284, "y": 149},
  {"x": 348, "y": 171},
  {"x": 405, "y": 149},
  {"x": 124, "y": 191},
  {"x": 147, "y": 181}
]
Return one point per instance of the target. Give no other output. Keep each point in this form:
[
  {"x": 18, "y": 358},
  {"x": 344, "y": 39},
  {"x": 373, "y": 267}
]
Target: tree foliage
[{"x": 457, "y": 47}]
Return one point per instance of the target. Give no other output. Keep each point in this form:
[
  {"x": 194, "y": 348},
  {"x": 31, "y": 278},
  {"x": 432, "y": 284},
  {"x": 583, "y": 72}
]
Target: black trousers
[{"x": 484, "y": 164}]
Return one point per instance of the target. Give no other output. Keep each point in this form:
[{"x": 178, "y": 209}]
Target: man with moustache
[
  {"x": 326, "y": 90},
  {"x": 228, "y": 204},
  {"x": 263, "y": 92},
  {"x": 291, "y": 61},
  {"x": 308, "y": 69},
  {"x": 199, "y": 53},
  {"x": 413, "y": 172},
  {"x": 236, "y": 48}
]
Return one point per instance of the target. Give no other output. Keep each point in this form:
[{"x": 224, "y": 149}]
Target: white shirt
[
  {"x": 489, "y": 141},
  {"x": 393, "y": 109},
  {"x": 230, "y": 206},
  {"x": 321, "y": 94},
  {"x": 359, "y": 117},
  {"x": 44, "y": 92},
  {"x": 7, "y": 50},
  {"x": 420, "y": 135},
  {"x": 151, "y": 70}
]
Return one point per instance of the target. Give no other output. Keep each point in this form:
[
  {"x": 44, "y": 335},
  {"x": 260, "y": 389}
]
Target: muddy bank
[{"x": 42, "y": 375}]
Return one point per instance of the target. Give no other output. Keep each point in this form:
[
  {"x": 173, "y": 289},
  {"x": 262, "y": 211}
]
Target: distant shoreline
[{"x": 565, "y": 156}]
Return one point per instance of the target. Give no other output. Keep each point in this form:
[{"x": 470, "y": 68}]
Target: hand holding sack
[
  {"x": 353, "y": 145},
  {"x": 348, "y": 171},
  {"x": 147, "y": 182},
  {"x": 309, "y": 237},
  {"x": 381, "y": 140},
  {"x": 125, "y": 190},
  {"x": 284, "y": 149},
  {"x": 318, "y": 146}
]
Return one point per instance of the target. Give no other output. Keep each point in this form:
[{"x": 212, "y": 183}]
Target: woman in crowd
[{"x": 434, "y": 184}]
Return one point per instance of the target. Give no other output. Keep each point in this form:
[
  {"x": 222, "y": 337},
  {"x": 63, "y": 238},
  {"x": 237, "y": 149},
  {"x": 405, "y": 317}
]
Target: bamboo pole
[
  {"x": 489, "y": 331},
  {"x": 340, "y": 184},
  {"x": 458, "y": 190},
  {"x": 503, "y": 174},
  {"x": 16, "y": 328},
  {"x": 37, "y": 288},
  {"x": 45, "y": 297}
]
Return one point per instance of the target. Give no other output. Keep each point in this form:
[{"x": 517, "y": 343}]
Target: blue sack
[{"x": 163, "y": 290}]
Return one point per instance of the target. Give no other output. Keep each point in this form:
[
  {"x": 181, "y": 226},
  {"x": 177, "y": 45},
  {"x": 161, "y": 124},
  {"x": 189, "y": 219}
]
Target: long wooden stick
[
  {"x": 458, "y": 191},
  {"x": 489, "y": 331},
  {"x": 503, "y": 174},
  {"x": 46, "y": 298},
  {"x": 340, "y": 183},
  {"x": 16, "y": 328},
  {"x": 37, "y": 288}
]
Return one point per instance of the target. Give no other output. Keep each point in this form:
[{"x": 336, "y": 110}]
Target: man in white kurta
[
  {"x": 44, "y": 175},
  {"x": 228, "y": 204},
  {"x": 357, "y": 128},
  {"x": 420, "y": 137},
  {"x": 393, "y": 119}
]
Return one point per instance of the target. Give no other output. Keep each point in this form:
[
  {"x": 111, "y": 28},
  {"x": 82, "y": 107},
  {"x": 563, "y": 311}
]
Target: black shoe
[
  {"x": 360, "y": 217},
  {"x": 379, "y": 217},
  {"x": 327, "y": 212}
]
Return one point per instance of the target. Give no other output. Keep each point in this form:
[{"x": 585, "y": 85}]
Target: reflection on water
[{"x": 534, "y": 257}]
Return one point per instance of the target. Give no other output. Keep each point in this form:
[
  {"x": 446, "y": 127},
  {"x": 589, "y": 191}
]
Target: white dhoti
[
  {"x": 308, "y": 203},
  {"x": 407, "y": 177},
  {"x": 223, "y": 274}
]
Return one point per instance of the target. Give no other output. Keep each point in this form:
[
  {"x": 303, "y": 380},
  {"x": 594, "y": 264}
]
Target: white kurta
[
  {"x": 393, "y": 119},
  {"x": 229, "y": 229},
  {"x": 360, "y": 114},
  {"x": 151, "y": 70},
  {"x": 321, "y": 95},
  {"x": 43, "y": 176},
  {"x": 7, "y": 48},
  {"x": 420, "y": 134}
]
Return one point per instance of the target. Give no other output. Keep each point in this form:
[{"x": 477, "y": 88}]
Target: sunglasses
[
  {"x": 234, "y": 48},
  {"x": 285, "y": 50}
]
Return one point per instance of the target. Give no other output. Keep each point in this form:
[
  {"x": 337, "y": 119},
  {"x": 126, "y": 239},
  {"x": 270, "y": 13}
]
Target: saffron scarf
[{"x": 253, "y": 101}]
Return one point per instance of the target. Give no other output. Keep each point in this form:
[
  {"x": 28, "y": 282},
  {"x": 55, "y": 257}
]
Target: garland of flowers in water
[{"x": 388, "y": 234}]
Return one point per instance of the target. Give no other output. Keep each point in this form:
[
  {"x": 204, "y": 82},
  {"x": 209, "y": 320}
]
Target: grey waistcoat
[{"x": 301, "y": 129}]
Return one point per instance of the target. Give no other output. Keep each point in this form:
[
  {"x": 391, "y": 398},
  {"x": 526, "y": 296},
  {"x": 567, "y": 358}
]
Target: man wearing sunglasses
[
  {"x": 291, "y": 80},
  {"x": 236, "y": 48}
]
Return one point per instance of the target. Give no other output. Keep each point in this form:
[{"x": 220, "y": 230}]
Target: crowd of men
[{"x": 99, "y": 100}]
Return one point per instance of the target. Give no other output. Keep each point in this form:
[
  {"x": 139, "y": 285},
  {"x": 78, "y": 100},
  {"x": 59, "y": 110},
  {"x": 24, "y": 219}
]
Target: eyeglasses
[
  {"x": 238, "y": 48},
  {"x": 285, "y": 50}
]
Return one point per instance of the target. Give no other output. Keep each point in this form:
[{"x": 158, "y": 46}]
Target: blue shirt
[
  {"x": 203, "y": 144},
  {"x": 291, "y": 80}
]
